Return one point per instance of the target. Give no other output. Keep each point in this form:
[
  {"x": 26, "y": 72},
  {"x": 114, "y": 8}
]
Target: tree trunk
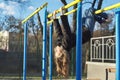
[
  {"x": 74, "y": 19},
  {"x": 64, "y": 3},
  {"x": 99, "y": 4},
  {"x": 40, "y": 23},
  {"x": 93, "y": 4}
]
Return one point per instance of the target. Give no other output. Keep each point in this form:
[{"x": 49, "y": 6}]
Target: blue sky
[{"x": 14, "y": 8}]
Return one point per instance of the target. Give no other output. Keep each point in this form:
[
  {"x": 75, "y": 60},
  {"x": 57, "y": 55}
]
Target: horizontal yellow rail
[
  {"x": 72, "y": 11},
  {"x": 108, "y": 8},
  {"x": 36, "y": 11},
  {"x": 97, "y": 12},
  {"x": 65, "y": 7}
]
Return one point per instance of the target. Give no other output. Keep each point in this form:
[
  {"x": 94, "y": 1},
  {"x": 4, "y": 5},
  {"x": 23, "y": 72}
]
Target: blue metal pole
[
  {"x": 50, "y": 51},
  {"x": 44, "y": 46},
  {"x": 25, "y": 52},
  {"x": 118, "y": 44},
  {"x": 79, "y": 43}
]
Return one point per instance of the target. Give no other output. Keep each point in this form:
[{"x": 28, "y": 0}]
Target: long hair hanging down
[
  {"x": 62, "y": 61},
  {"x": 61, "y": 51}
]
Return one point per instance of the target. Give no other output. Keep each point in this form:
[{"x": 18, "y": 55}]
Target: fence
[{"x": 103, "y": 49}]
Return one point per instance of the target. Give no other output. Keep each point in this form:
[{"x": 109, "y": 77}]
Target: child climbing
[{"x": 66, "y": 40}]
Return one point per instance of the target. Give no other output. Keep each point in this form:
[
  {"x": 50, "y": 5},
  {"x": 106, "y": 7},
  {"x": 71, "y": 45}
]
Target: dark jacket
[{"x": 64, "y": 36}]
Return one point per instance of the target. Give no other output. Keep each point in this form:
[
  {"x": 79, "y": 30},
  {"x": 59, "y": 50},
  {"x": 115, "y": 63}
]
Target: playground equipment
[
  {"x": 79, "y": 36},
  {"x": 35, "y": 12},
  {"x": 44, "y": 42},
  {"x": 108, "y": 8},
  {"x": 78, "y": 39},
  {"x": 118, "y": 44}
]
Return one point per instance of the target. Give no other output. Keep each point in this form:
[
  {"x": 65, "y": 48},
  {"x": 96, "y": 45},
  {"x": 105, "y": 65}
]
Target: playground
[{"x": 27, "y": 51}]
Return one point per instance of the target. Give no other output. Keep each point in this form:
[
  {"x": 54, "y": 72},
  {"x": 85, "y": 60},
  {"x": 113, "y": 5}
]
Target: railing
[{"x": 103, "y": 49}]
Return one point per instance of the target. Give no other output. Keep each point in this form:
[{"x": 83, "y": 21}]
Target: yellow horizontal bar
[
  {"x": 36, "y": 11},
  {"x": 65, "y": 7},
  {"x": 72, "y": 11},
  {"x": 50, "y": 21},
  {"x": 71, "y": 4},
  {"x": 108, "y": 8}
]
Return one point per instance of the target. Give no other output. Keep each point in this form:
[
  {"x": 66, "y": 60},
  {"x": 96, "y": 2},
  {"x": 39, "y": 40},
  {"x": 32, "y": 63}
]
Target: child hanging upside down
[{"x": 66, "y": 40}]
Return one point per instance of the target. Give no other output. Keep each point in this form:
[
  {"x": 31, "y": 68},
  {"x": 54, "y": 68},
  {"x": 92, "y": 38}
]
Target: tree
[
  {"x": 9, "y": 23},
  {"x": 64, "y": 3},
  {"x": 40, "y": 23},
  {"x": 99, "y": 4}
]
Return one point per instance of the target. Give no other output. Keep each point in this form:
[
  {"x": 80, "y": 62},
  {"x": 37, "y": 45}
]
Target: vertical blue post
[
  {"x": 118, "y": 44},
  {"x": 79, "y": 43},
  {"x": 44, "y": 46},
  {"x": 50, "y": 51},
  {"x": 25, "y": 52}
]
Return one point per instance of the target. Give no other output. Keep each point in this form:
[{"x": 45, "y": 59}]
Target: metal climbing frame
[
  {"x": 79, "y": 35},
  {"x": 44, "y": 42},
  {"x": 65, "y": 7},
  {"x": 78, "y": 39},
  {"x": 118, "y": 44}
]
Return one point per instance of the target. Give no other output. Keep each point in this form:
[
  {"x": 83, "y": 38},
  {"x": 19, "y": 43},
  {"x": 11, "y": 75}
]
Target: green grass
[{"x": 37, "y": 78}]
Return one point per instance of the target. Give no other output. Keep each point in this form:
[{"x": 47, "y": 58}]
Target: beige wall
[{"x": 96, "y": 70}]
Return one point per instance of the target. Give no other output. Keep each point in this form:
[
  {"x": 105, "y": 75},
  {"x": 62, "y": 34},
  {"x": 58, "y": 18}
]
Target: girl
[{"x": 67, "y": 40}]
